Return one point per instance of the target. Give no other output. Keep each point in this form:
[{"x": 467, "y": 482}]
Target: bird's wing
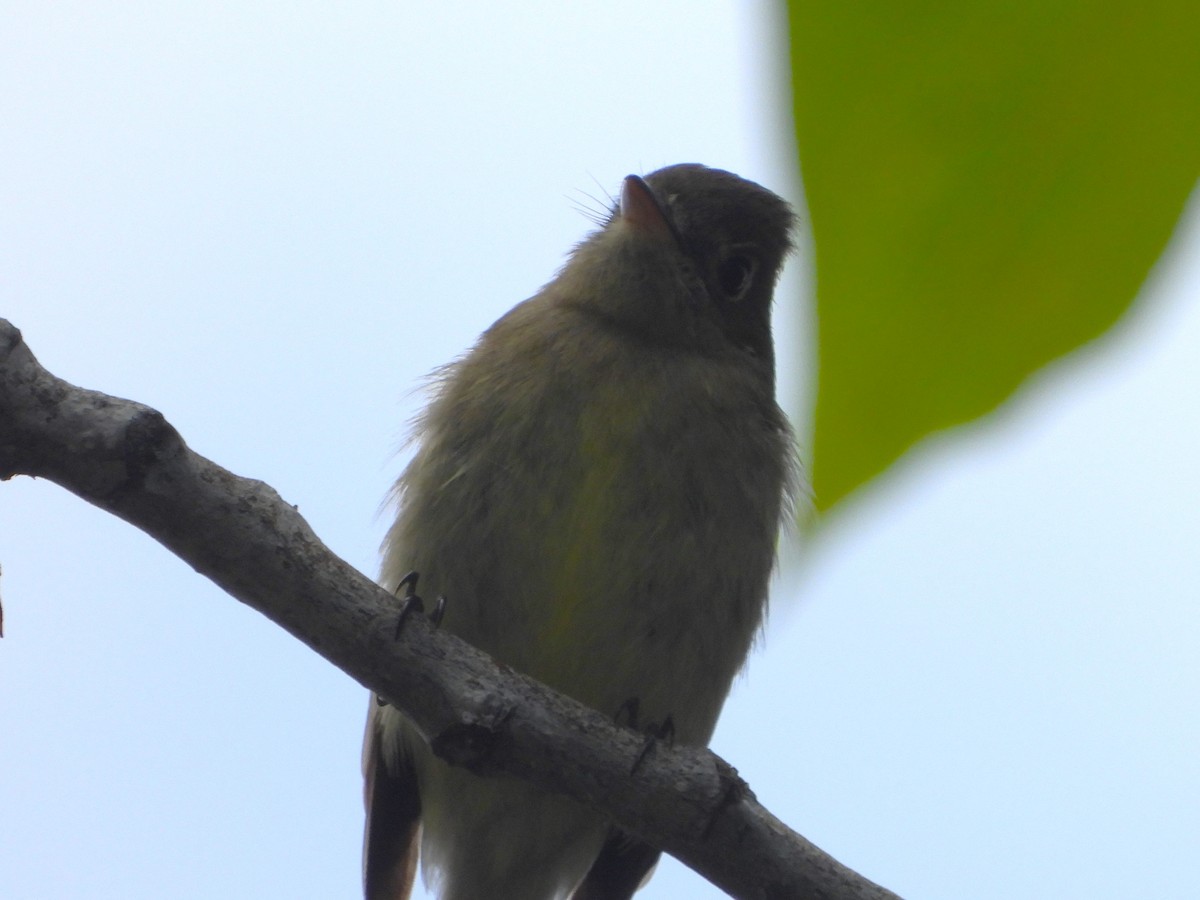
[
  {"x": 623, "y": 866},
  {"x": 393, "y": 819}
]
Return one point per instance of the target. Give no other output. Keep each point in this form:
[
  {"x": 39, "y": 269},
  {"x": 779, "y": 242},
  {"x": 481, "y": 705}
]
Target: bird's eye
[{"x": 734, "y": 275}]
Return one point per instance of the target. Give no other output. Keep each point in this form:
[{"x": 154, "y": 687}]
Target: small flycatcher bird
[{"x": 597, "y": 491}]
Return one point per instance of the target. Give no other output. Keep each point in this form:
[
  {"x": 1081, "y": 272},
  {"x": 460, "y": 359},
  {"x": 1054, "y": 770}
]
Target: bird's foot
[
  {"x": 653, "y": 732},
  {"x": 734, "y": 789},
  {"x": 411, "y": 603}
]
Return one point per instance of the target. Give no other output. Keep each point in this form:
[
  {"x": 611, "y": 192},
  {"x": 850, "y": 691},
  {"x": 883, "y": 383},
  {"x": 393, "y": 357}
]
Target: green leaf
[{"x": 989, "y": 184}]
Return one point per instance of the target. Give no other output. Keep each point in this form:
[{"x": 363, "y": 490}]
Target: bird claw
[
  {"x": 654, "y": 732},
  {"x": 412, "y": 603},
  {"x": 736, "y": 789},
  {"x": 627, "y": 713},
  {"x": 409, "y": 604},
  {"x": 439, "y": 610}
]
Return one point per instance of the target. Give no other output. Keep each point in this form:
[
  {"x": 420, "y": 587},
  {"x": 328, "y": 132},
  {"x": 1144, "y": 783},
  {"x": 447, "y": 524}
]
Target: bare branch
[{"x": 126, "y": 458}]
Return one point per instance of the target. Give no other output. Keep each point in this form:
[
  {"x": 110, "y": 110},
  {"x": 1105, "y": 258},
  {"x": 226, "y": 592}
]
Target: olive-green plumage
[{"x": 597, "y": 492}]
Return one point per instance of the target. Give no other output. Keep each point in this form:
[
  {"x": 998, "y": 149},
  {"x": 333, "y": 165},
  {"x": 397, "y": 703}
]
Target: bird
[{"x": 598, "y": 490}]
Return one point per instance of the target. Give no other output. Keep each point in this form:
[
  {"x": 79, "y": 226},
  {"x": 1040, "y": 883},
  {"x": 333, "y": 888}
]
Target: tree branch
[{"x": 127, "y": 459}]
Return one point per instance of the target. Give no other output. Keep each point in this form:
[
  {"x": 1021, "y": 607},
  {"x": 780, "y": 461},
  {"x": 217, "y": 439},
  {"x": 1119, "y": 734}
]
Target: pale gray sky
[{"x": 269, "y": 220}]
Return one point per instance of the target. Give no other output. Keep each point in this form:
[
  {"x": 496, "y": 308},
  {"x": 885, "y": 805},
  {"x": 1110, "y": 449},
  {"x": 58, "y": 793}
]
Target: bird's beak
[{"x": 641, "y": 210}]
